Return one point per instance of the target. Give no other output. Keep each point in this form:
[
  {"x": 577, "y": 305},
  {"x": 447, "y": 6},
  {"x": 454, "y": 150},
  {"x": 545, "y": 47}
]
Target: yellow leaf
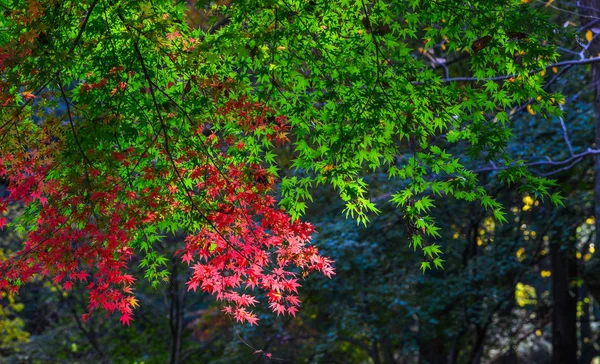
[
  {"x": 530, "y": 110},
  {"x": 548, "y": 4},
  {"x": 133, "y": 302},
  {"x": 520, "y": 254},
  {"x": 525, "y": 295},
  {"x": 589, "y": 35},
  {"x": 555, "y": 69}
]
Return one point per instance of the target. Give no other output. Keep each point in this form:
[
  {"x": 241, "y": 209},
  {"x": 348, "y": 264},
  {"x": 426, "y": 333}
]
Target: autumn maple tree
[
  {"x": 99, "y": 187},
  {"x": 120, "y": 123}
]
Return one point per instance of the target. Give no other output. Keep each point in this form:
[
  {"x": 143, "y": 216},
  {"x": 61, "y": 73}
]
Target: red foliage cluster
[
  {"x": 87, "y": 219},
  {"x": 237, "y": 249},
  {"x": 252, "y": 116}
]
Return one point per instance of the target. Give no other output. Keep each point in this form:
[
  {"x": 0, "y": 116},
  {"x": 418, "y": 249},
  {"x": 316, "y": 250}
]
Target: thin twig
[{"x": 565, "y": 134}]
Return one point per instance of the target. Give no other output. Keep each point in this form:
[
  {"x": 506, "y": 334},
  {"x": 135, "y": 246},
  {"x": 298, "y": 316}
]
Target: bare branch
[
  {"x": 565, "y": 163},
  {"x": 506, "y": 77},
  {"x": 565, "y": 134}
]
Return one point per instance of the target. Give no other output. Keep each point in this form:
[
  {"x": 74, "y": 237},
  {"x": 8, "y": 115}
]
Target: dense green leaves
[{"x": 362, "y": 86}]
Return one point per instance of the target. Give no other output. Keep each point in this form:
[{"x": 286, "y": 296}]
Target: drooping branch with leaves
[{"x": 121, "y": 123}]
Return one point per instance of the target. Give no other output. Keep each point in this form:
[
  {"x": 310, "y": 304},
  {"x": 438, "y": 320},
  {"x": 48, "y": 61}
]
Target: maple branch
[
  {"x": 185, "y": 113},
  {"x": 71, "y": 49},
  {"x": 256, "y": 351},
  {"x": 157, "y": 133},
  {"x": 62, "y": 92},
  {"x": 13, "y": 259},
  {"x": 168, "y": 151},
  {"x": 151, "y": 85},
  {"x": 206, "y": 150},
  {"x": 83, "y": 25}
]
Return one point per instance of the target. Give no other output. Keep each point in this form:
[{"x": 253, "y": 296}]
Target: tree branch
[
  {"x": 569, "y": 162},
  {"x": 505, "y": 77}
]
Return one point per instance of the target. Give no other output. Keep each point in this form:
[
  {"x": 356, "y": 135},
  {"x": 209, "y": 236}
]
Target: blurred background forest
[{"x": 520, "y": 292}]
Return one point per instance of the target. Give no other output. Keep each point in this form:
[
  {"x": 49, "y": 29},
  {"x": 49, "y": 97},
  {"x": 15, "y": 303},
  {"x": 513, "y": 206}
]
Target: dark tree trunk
[
  {"x": 585, "y": 329},
  {"x": 432, "y": 352},
  {"x": 510, "y": 357},
  {"x": 564, "y": 314},
  {"x": 176, "y": 296},
  {"x": 477, "y": 349},
  {"x": 589, "y": 13}
]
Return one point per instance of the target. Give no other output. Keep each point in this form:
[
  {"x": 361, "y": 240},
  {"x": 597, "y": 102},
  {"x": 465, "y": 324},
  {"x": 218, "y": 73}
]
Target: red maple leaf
[
  {"x": 126, "y": 319},
  {"x": 67, "y": 285},
  {"x": 187, "y": 258}
]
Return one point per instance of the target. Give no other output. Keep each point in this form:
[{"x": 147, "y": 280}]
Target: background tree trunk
[
  {"x": 590, "y": 11},
  {"x": 589, "y": 14},
  {"x": 564, "y": 314}
]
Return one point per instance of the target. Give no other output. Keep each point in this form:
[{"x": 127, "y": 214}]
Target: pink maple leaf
[
  {"x": 292, "y": 310},
  {"x": 187, "y": 258},
  {"x": 278, "y": 308},
  {"x": 293, "y": 300},
  {"x": 252, "y": 320}
]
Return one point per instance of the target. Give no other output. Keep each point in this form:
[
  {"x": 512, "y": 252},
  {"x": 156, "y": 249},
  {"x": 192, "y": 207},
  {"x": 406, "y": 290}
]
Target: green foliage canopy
[{"x": 127, "y": 91}]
